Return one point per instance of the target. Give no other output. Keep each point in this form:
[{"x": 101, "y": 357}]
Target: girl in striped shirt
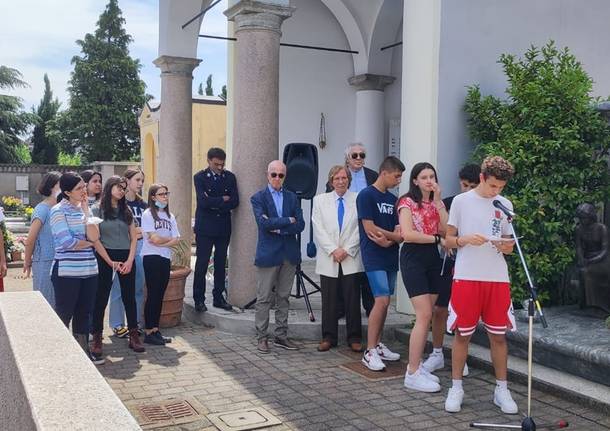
[{"x": 74, "y": 272}]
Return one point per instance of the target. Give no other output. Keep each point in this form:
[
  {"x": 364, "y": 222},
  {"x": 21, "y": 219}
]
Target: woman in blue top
[
  {"x": 74, "y": 273},
  {"x": 39, "y": 247}
]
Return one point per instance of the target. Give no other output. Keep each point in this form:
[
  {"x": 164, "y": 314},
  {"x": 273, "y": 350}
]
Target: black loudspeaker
[{"x": 301, "y": 162}]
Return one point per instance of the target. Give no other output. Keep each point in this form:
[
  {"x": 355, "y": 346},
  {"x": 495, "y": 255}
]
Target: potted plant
[
  {"x": 8, "y": 240},
  {"x": 17, "y": 248},
  {"x": 171, "y": 313}
]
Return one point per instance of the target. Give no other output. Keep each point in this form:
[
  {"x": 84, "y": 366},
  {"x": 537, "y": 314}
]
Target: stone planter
[{"x": 171, "y": 313}]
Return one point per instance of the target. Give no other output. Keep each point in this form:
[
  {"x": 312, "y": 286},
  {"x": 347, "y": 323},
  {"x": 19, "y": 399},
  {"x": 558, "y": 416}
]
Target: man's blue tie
[{"x": 340, "y": 213}]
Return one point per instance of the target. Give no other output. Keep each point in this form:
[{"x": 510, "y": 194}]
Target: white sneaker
[
  {"x": 453, "y": 403},
  {"x": 504, "y": 400},
  {"x": 372, "y": 361},
  {"x": 418, "y": 381},
  {"x": 465, "y": 371},
  {"x": 386, "y": 354},
  {"x": 429, "y": 375},
  {"x": 435, "y": 361}
]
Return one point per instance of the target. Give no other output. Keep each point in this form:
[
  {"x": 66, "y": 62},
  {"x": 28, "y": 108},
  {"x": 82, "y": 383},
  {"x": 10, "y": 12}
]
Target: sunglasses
[
  {"x": 358, "y": 156},
  {"x": 162, "y": 194},
  {"x": 280, "y": 175}
]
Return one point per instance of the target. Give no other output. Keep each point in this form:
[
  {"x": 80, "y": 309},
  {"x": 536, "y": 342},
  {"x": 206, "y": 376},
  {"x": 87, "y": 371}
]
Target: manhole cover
[
  {"x": 174, "y": 412},
  {"x": 242, "y": 420},
  {"x": 393, "y": 370}
]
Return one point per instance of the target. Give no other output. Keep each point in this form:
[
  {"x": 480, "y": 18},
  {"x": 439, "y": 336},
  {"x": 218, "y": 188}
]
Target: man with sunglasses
[
  {"x": 217, "y": 196},
  {"x": 362, "y": 177},
  {"x": 279, "y": 218}
]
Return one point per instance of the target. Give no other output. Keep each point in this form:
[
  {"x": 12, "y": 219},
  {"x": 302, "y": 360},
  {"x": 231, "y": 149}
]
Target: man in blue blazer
[{"x": 280, "y": 219}]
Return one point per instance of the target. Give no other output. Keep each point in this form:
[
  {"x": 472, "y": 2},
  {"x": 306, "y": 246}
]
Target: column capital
[
  {"x": 369, "y": 81},
  {"x": 181, "y": 66},
  {"x": 259, "y": 15}
]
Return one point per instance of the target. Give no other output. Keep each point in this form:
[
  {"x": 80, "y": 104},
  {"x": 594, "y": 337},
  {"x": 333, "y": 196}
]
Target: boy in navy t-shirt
[{"x": 379, "y": 239}]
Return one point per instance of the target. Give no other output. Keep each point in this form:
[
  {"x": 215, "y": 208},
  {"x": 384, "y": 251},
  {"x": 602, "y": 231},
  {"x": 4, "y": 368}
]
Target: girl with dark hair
[
  {"x": 39, "y": 247},
  {"x": 133, "y": 198},
  {"x": 160, "y": 232},
  {"x": 423, "y": 222},
  {"x": 74, "y": 273},
  {"x": 115, "y": 254},
  {"x": 93, "y": 180}
]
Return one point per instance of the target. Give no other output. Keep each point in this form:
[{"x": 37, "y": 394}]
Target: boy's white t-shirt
[
  {"x": 166, "y": 227},
  {"x": 470, "y": 214}
]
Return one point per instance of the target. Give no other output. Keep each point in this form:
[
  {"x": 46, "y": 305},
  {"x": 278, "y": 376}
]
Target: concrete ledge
[
  {"x": 46, "y": 380},
  {"x": 559, "y": 383}
]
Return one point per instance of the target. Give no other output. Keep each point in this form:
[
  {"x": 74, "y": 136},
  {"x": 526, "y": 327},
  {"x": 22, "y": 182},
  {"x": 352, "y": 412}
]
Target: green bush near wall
[{"x": 558, "y": 143}]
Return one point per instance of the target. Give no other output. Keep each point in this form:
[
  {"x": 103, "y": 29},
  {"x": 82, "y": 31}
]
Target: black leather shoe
[
  {"x": 200, "y": 307},
  {"x": 223, "y": 304}
]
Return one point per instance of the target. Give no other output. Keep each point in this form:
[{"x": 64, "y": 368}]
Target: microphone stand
[{"x": 528, "y": 423}]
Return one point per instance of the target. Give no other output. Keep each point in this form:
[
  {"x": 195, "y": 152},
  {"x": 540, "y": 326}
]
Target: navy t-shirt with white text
[{"x": 379, "y": 208}]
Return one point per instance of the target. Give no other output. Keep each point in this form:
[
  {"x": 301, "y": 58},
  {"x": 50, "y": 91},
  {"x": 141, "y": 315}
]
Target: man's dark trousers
[{"x": 204, "y": 251}]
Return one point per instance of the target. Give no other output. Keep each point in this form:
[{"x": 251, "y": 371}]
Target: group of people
[
  {"x": 91, "y": 242},
  {"x": 101, "y": 242},
  {"x": 450, "y": 253}
]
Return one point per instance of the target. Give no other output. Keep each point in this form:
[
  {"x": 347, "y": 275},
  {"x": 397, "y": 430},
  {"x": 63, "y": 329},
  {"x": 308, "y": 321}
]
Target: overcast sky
[{"x": 38, "y": 36}]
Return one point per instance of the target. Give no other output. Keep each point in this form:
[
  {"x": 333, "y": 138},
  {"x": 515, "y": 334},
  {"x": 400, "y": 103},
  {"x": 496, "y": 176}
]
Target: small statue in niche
[{"x": 593, "y": 258}]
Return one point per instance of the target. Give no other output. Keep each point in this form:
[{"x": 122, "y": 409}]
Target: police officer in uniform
[{"x": 216, "y": 190}]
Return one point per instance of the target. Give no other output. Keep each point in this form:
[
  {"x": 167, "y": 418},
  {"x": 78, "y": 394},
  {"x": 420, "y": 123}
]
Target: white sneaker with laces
[
  {"x": 466, "y": 371},
  {"x": 435, "y": 361},
  {"x": 429, "y": 375},
  {"x": 386, "y": 354},
  {"x": 418, "y": 381},
  {"x": 504, "y": 400},
  {"x": 453, "y": 403},
  {"x": 372, "y": 361}
]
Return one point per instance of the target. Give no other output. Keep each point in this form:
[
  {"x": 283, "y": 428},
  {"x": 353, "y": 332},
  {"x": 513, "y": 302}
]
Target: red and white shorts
[{"x": 488, "y": 301}]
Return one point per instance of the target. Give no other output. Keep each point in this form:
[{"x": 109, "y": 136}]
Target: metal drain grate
[{"x": 173, "y": 412}]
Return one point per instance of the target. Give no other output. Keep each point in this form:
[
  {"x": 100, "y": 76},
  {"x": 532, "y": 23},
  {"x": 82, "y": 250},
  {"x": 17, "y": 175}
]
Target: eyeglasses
[
  {"x": 358, "y": 156},
  {"x": 121, "y": 188},
  {"x": 278, "y": 175},
  {"x": 162, "y": 194}
]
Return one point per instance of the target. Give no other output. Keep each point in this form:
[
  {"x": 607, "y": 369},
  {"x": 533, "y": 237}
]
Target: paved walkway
[{"x": 306, "y": 390}]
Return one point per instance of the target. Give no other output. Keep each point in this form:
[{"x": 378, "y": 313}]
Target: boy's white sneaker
[
  {"x": 436, "y": 361},
  {"x": 372, "y": 361},
  {"x": 504, "y": 400},
  {"x": 418, "y": 381},
  {"x": 453, "y": 403},
  {"x": 386, "y": 354}
]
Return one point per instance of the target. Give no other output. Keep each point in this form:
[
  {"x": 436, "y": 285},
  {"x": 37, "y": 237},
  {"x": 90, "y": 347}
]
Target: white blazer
[{"x": 328, "y": 238}]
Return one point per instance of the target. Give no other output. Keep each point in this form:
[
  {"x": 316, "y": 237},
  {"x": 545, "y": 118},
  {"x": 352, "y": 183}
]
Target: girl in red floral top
[{"x": 423, "y": 222}]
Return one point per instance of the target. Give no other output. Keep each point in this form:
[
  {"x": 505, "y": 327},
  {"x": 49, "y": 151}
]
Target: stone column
[
  {"x": 370, "y": 114},
  {"x": 176, "y": 136},
  {"x": 255, "y": 126}
]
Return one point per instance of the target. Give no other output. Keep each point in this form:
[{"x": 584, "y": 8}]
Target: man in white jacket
[{"x": 335, "y": 227}]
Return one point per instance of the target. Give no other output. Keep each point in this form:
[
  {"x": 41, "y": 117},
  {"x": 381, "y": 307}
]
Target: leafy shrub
[
  {"x": 12, "y": 204},
  {"x": 66, "y": 159},
  {"x": 558, "y": 143}
]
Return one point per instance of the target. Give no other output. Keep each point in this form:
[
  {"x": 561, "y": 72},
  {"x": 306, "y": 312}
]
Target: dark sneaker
[
  {"x": 97, "y": 359},
  {"x": 154, "y": 338},
  {"x": 166, "y": 340},
  {"x": 263, "y": 346},
  {"x": 120, "y": 331},
  {"x": 200, "y": 307},
  {"x": 223, "y": 304},
  {"x": 285, "y": 343}
]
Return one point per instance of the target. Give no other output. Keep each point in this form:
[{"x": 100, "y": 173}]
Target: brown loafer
[
  {"x": 324, "y": 346},
  {"x": 263, "y": 346},
  {"x": 356, "y": 347}
]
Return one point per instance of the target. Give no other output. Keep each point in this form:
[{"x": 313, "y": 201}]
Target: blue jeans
[{"x": 116, "y": 315}]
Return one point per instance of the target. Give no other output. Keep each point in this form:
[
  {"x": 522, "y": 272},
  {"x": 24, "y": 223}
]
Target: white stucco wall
[
  {"x": 312, "y": 82},
  {"x": 475, "y": 32}
]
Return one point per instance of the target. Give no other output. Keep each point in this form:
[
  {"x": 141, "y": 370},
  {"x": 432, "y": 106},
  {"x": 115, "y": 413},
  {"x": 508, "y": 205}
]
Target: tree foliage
[
  {"x": 209, "y": 90},
  {"x": 106, "y": 92},
  {"x": 13, "y": 121},
  {"x": 558, "y": 143},
  {"x": 45, "y": 149}
]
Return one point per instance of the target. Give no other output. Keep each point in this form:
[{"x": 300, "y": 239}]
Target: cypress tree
[{"x": 45, "y": 150}]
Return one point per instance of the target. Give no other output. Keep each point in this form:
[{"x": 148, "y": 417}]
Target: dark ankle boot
[
  {"x": 96, "y": 344},
  {"x": 134, "y": 341}
]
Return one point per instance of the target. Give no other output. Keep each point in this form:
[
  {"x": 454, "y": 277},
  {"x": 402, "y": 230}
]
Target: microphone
[{"x": 503, "y": 208}]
